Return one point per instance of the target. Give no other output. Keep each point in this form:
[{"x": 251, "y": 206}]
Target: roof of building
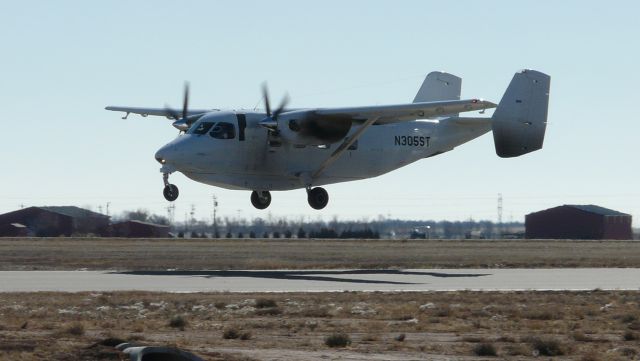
[
  {"x": 597, "y": 210},
  {"x": 72, "y": 211},
  {"x": 143, "y": 223},
  {"x": 589, "y": 208}
]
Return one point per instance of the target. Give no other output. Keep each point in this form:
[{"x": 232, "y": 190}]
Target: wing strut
[{"x": 344, "y": 146}]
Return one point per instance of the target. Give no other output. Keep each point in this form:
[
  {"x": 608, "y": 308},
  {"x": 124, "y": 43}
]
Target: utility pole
[
  {"x": 215, "y": 212},
  {"x": 499, "y": 215},
  {"x": 108, "y": 204}
]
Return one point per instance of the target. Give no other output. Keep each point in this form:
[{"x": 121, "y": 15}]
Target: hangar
[
  {"x": 58, "y": 221},
  {"x": 578, "y": 222},
  {"x": 138, "y": 229}
]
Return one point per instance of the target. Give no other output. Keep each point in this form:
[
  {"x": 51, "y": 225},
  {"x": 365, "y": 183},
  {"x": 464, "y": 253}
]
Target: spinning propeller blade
[{"x": 265, "y": 95}]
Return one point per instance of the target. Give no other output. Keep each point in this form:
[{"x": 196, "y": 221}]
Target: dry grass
[
  {"x": 386, "y": 325},
  {"x": 160, "y": 254}
]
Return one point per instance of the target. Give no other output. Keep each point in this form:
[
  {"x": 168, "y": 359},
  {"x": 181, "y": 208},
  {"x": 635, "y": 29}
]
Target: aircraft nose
[{"x": 161, "y": 155}]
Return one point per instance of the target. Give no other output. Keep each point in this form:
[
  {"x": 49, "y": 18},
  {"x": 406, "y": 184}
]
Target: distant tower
[
  {"x": 108, "y": 204},
  {"x": 192, "y": 214},
  {"x": 171, "y": 212},
  {"x": 215, "y": 212},
  {"x": 499, "y": 215}
]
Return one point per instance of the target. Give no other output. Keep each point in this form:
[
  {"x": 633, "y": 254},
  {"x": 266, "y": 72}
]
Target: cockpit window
[
  {"x": 202, "y": 128},
  {"x": 223, "y": 130}
]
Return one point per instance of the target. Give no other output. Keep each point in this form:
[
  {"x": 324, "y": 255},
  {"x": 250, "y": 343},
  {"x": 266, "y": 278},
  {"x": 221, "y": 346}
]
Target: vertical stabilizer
[
  {"x": 439, "y": 86},
  {"x": 520, "y": 119}
]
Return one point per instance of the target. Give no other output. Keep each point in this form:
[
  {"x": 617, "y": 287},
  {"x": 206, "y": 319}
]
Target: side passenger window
[{"x": 223, "y": 130}]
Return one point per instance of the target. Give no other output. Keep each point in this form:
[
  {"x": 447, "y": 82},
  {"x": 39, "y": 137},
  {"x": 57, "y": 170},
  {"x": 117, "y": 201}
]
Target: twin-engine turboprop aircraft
[{"x": 286, "y": 149}]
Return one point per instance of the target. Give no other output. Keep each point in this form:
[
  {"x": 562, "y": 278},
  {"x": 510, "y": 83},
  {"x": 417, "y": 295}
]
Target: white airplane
[{"x": 287, "y": 149}]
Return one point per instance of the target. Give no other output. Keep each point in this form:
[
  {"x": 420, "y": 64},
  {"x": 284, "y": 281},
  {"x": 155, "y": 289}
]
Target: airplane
[{"x": 286, "y": 149}]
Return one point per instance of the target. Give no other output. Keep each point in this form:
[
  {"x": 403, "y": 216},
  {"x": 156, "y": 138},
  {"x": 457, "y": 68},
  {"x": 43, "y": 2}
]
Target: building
[
  {"x": 138, "y": 229},
  {"x": 13, "y": 230},
  {"x": 58, "y": 221},
  {"x": 578, "y": 222}
]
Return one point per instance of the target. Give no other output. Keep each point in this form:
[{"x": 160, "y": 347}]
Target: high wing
[
  {"x": 163, "y": 112},
  {"x": 386, "y": 114}
]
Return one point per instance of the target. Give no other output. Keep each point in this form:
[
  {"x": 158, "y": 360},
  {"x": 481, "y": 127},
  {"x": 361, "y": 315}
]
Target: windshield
[{"x": 201, "y": 128}]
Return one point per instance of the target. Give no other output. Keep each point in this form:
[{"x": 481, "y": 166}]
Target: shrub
[
  {"x": 485, "y": 349},
  {"x": 400, "y": 337},
  {"x": 547, "y": 347},
  {"x": 338, "y": 340},
  {"x": 581, "y": 337},
  {"x": 630, "y": 336},
  {"x": 319, "y": 312},
  {"x": 220, "y": 305},
  {"x": 112, "y": 341},
  {"x": 178, "y": 322},
  {"x": 268, "y": 311},
  {"x": 473, "y": 339},
  {"x": 265, "y": 303},
  {"x": 76, "y": 329},
  {"x": 245, "y": 336},
  {"x": 230, "y": 334}
]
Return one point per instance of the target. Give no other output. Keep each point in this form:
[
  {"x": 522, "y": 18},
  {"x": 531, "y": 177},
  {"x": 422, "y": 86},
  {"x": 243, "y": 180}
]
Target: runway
[{"x": 323, "y": 280}]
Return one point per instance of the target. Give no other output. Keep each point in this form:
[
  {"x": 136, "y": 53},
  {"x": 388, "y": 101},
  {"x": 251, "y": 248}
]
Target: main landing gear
[
  {"x": 261, "y": 199},
  {"x": 170, "y": 191},
  {"x": 317, "y": 197}
]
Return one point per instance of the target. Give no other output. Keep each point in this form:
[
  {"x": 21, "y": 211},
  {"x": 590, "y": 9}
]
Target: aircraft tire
[
  {"x": 261, "y": 202},
  {"x": 318, "y": 198},
  {"x": 170, "y": 192}
]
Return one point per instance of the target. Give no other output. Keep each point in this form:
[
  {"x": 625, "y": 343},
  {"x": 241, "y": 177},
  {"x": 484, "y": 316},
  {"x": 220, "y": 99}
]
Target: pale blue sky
[{"x": 64, "y": 61}]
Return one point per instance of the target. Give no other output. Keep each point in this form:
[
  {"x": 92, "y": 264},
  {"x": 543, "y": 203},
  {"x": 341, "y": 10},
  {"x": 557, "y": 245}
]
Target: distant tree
[
  {"x": 265, "y": 235},
  {"x": 302, "y": 233},
  {"x": 252, "y": 234},
  {"x": 194, "y": 234},
  {"x": 141, "y": 215},
  {"x": 288, "y": 233},
  {"x": 240, "y": 235},
  {"x": 180, "y": 234},
  {"x": 276, "y": 234},
  {"x": 229, "y": 235},
  {"x": 154, "y": 218}
]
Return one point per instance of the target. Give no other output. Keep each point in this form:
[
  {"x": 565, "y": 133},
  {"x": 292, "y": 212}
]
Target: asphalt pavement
[{"x": 323, "y": 280}]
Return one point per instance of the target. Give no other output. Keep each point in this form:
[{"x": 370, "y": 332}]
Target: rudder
[{"x": 520, "y": 120}]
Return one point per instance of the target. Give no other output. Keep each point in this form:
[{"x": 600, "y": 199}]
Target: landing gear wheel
[
  {"x": 318, "y": 198},
  {"x": 170, "y": 192},
  {"x": 261, "y": 200}
]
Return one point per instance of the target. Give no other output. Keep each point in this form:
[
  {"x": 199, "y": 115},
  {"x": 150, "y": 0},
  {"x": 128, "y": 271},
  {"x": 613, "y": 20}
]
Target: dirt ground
[
  {"x": 596, "y": 325},
  {"x": 161, "y": 254}
]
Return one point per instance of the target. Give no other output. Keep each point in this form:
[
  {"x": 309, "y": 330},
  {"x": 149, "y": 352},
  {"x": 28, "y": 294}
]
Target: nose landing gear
[
  {"x": 261, "y": 200},
  {"x": 170, "y": 191},
  {"x": 317, "y": 197}
]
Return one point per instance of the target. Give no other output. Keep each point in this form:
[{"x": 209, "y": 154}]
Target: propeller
[
  {"x": 271, "y": 121},
  {"x": 181, "y": 122}
]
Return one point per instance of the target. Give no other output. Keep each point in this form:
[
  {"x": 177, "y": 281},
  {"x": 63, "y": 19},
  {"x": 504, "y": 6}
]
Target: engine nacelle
[{"x": 307, "y": 128}]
